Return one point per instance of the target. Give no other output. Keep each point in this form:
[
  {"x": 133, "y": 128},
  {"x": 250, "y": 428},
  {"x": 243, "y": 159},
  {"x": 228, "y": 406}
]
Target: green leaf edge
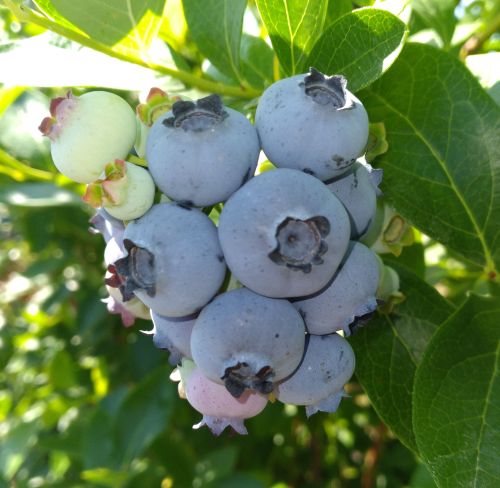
[{"x": 430, "y": 349}]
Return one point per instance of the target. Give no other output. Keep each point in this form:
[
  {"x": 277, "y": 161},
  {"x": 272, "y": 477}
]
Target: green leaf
[
  {"x": 442, "y": 166},
  {"x": 129, "y": 27},
  {"x": 8, "y": 96},
  {"x": 16, "y": 444},
  {"x": 388, "y": 351},
  {"x": 337, "y": 8},
  {"x": 256, "y": 61},
  {"x": 97, "y": 443},
  {"x": 215, "y": 26},
  {"x": 293, "y": 26},
  {"x": 438, "y": 15},
  {"x": 457, "y": 398},
  {"x": 37, "y": 195},
  {"x": 106, "y": 477},
  {"x": 144, "y": 414},
  {"x": 216, "y": 465},
  {"x": 421, "y": 478},
  {"x": 62, "y": 371},
  {"x": 360, "y": 45},
  {"x": 413, "y": 257},
  {"x": 239, "y": 480}
]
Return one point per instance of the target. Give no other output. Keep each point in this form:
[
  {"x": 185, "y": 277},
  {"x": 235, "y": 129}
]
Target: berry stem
[
  {"x": 137, "y": 160},
  {"x": 20, "y": 171},
  {"x": 25, "y": 14}
]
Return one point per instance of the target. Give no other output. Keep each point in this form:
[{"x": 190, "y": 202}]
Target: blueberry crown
[
  {"x": 196, "y": 116},
  {"x": 327, "y": 90}
]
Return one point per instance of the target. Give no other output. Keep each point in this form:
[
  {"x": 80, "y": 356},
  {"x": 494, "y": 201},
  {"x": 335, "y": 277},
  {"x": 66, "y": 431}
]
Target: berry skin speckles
[{"x": 312, "y": 123}]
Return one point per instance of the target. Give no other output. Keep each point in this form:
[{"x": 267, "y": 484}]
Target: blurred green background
[{"x": 85, "y": 401}]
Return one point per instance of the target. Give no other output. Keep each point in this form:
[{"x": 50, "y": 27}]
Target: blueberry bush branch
[{"x": 26, "y": 14}]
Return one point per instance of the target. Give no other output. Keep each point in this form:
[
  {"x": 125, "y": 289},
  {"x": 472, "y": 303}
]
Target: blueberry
[
  {"x": 89, "y": 131},
  {"x": 245, "y": 340},
  {"x": 201, "y": 152},
  {"x": 312, "y": 123},
  {"x": 219, "y": 408},
  {"x": 388, "y": 291},
  {"x": 389, "y": 232},
  {"x": 350, "y": 294},
  {"x": 128, "y": 311},
  {"x": 318, "y": 383},
  {"x": 357, "y": 190},
  {"x": 127, "y": 191},
  {"x": 173, "y": 260},
  {"x": 106, "y": 225},
  {"x": 284, "y": 233},
  {"x": 173, "y": 334}
]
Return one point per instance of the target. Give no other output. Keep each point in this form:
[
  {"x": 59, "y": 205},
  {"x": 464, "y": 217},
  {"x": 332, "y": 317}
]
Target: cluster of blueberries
[{"x": 248, "y": 270}]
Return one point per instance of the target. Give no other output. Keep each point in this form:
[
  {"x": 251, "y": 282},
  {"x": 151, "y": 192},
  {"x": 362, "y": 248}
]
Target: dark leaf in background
[
  {"x": 437, "y": 15},
  {"x": 144, "y": 414},
  {"x": 216, "y": 30},
  {"x": 389, "y": 349},
  {"x": 16, "y": 446},
  {"x": 37, "y": 195},
  {"x": 256, "y": 61},
  {"x": 97, "y": 443}
]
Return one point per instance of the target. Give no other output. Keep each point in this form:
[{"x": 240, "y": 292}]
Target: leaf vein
[{"x": 479, "y": 232}]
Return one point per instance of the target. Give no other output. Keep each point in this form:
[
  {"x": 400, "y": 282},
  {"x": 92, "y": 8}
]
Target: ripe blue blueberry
[
  {"x": 318, "y": 383},
  {"x": 105, "y": 224},
  {"x": 173, "y": 334},
  {"x": 244, "y": 340},
  {"x": 200, "y": 153},
  {"x": 174, "y": 262},
  {"x": 284, "y": 233},
  {"x": 350, "y": 294},
  {"x": 358, "y": 190},
  {"x": 312, "y": 123}
]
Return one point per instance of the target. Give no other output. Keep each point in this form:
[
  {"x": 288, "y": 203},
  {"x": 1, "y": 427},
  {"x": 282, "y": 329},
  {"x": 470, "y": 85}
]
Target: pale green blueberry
[
  {"x": 89, "y": 131},
  {"x": 389, "y": 232},
  {"x": 126, "y": 192}
]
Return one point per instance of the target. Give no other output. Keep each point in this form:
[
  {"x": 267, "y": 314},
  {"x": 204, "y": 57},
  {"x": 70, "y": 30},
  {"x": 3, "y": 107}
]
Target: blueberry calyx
[
  {"x": 133, "y": 272},
  {"x": 197, "y": 116},
  {"x": 59, "y": 108},
  {"x": 300, "y": 243},
  {"x": 327, "y": 90},
  {"x": 241, "y": 376}
]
